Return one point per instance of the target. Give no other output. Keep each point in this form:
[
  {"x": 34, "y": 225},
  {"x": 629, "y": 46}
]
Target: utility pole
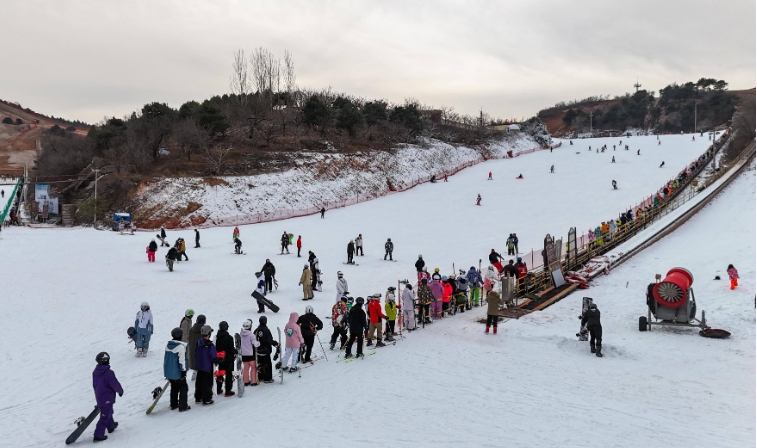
[
  {"x": 637, "y": 85},
  {"x": 591, "y": 124},
  {"x": 94, "y": 219}
]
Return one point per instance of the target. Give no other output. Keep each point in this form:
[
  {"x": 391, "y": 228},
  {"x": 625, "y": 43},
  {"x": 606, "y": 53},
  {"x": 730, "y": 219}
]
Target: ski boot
[
  {"x": 495, "y": 330},
  {"x": 487, "y": 330},
  {"x": 369, "y": 343},
  {"x": 185, "y": 409},
  {"x": 115, "y": 425},
  {"x": 292, "y": 369},
  {"x": 380, "y": 344},
  {"x": 99, "y": 439},
  {"x": 348, "y": 356},
  {"x": 229, "y": 394},
  {"x": 331, "y": 345},
  {"x": 599, "y": 351},
  {"x": 593, "y": 350}
]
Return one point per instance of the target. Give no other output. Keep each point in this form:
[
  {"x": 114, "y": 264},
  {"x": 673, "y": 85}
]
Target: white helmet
[
  {"x": 339, "y": 274},
  {"x": 308, "y": 309},
  {"x": 144, "y": 306},
  {"x": 247, "y": 325}
]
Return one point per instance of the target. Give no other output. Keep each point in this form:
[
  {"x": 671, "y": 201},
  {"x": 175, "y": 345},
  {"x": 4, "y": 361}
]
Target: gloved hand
[
  {"x": 120, "y": 394},
  {"x": 299, "y": 284}
]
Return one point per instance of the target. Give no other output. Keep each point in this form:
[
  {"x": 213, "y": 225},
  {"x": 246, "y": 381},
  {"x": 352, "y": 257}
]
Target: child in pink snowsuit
[
  {"x": 294, "y": 340},
  {"x": 733, "y": 274},
  {"x": 437, "y": 290}
]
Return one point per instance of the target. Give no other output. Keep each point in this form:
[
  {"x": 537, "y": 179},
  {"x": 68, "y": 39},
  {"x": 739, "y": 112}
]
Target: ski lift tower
[{"x": 637, "y": 85}]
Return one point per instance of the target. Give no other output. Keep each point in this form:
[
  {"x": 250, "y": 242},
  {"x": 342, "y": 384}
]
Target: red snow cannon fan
[{"x": 671, "y": 301}]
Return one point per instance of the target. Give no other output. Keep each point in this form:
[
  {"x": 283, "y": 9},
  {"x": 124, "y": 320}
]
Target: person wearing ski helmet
[
  {"x": 305, "y": 280},
  {"x": 186, "y": 324},
  {"x": 390, "y": 308},
  {"x": 510, "y": 269},
  {"x": 225, "y": 343},
  {"x": 408, "y": 307},
  {"x": 249, "y": 343},
  {"x": 315, "y": 274},
  {"x": 206, "y": 355},
  {"x": 358, "y": 325},
  {"x": 474, "y": 282},
  {"x": 237, "y": 245},
  {"x": 436, "y": 275},
  {"x": 310, "y": 325},
  {"x": 269, "y": 273},
  {"x": 194, "y": 336},
  {"x": 144, "y": 325},
  {"x": 420, "y": 264},
  {"x": 591, "y": 321},
  {"x": 342, "y": 287},
  {"x": 388, "y": 249},
  {"x": 350, "y": 252},
  {"x": 294, "y": 343},
  {"x": 106, "y": 387},
  {"x": 260, "y": 289},
  {"x": 264, "y": 337},
  {"x": 375, "y": 316},
  {"x": 522, "y": 268},
  {"x": 437, "y": 289},
  {"x": 175, "y": 367}
]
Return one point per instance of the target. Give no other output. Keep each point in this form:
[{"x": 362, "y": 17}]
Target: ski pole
[{"x": 324, "y": 350}]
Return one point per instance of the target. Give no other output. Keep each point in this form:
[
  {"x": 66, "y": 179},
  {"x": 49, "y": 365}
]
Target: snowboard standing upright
[
  {"x": 81, "y": 425},
  {"x": 281, "y": 369},
  {"x": 583, "y": 333},
  {"x": 157, "y": 393},
  {"x": 238, "y": 371}
]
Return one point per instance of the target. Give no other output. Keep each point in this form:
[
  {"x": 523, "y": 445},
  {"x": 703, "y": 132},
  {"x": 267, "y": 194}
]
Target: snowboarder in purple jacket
[{"x": 106, "y": 387}]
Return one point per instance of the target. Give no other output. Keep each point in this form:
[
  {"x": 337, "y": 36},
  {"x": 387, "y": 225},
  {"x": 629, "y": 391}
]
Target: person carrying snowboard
[
  {"x": 591, "y": 321},
  {"x": 205, "y": 356},
  {"x": 492, "y": 310},
  {"x": 144, "y": 325},
  {"x": 264, "y": 337},
  {"x": 390, "y": 308},
  {"x": 305, "y": 279},
  {"x": 408, "y": 307},
  {"x": 260, "y": 288},
  {"x": 294, "y": 343},
  {"x": 269, "y": 272},
  {"x": 225, "y": 343},
  {"x": 186, "y": 324},
  {"x": 194, "y": 336},
  {"x": 339, "y": 318},
  {"x": 359, "y": 245},
  {"x": 247, "y": 350},
  {"x": 341, "y": 286},
  {"x": 175, "y": 367},
  {"x": 350, "y": 252},
  {"x": 310, "y": 325},
  {"x": 315, "y": 274},
  {"x": 163, "y": 237},
  {"x": 388, "y": 249},
  {"x": 106, "y": 387},
  {"x": 358, "y": 325},
  {"x": 151, "y": 249}
]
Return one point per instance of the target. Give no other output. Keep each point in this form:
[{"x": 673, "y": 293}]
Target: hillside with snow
[{"x": 449, "y": 384}]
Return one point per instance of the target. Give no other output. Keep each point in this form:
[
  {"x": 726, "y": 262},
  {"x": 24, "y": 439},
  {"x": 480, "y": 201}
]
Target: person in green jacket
[{"x": 390, "y": 308}]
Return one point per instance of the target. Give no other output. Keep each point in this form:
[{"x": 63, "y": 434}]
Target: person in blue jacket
[
  {"x": 175, "y": 370},
  {"x": 106, "y": 387},
  {"x": 143, "y": 324},
  {"x": 474, "y": 282}
]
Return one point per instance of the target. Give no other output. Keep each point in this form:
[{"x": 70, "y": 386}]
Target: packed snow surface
[{"x": 71, "y": 293}]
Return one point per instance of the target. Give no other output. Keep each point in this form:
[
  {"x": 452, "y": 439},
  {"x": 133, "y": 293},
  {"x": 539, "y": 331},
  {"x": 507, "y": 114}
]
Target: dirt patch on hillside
[{"x": 214, "y": 181}]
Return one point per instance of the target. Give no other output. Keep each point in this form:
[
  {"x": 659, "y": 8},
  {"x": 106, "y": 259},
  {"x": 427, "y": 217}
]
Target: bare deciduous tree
[
  {"x": 290, "y": 78},
  {"x": 217, "y": 156},
  {"x": 240, "y": 79},
  {"x": 266, "y": 73}
]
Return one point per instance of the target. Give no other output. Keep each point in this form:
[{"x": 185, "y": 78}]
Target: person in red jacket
[
  {"x": 374, "y": 316},
  {"x": 522, "y": 268},
  {"x": 299, "y": 244},
  {"x": 446, "y": 294}
]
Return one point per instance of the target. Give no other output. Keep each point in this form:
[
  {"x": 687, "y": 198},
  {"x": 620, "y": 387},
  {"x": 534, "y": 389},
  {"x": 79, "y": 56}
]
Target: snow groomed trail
[{"x": 70, "y": 293}]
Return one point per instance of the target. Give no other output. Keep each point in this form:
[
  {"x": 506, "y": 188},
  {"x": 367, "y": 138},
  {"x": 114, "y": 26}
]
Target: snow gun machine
[{"x": 672, "y": 303}]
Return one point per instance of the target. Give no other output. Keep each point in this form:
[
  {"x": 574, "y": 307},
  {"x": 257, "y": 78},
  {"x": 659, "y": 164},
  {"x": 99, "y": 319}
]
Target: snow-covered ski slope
[{"x": 68, "y": 294}]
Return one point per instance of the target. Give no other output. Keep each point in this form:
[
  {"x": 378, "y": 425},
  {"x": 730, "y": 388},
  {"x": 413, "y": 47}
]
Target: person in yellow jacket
[
  {"x": 390, "y": 308},
  {"x": 305, "y": 279}
]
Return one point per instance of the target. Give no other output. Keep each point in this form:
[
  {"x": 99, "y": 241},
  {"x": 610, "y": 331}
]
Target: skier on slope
[
  {"x": 359, "y": 245},
  {"x": 461, "y": 294},
  {"x": 474, "y": 282},
  {"x": 235, "y": 234},
  {"x": 490, "y": 176},
  {"x": 390, "y": 308},
  {"x": 310, "y": 325},
  {"x": 341, "y": 286},
  {"x": 339, "y": 320},
  {"x": 436, "y": 275},
  {"x": 284, "y": 243},
  {"x": 552, "y": 169},
  {"x": 151, "y": 249},
  {"x": 478, "y": 200},
  {"x": 357, "y": 325},
  {"x": 205, "y": 356},
  {"x": 171, "y": 256},
  {"x": 419, "y": 265},
  {"x": 733, "y": 276},
  {"x": 495, "y": 259},
  {"x": 375, "y": 315},
  {"x": 106, "y": 387},
  {"x": 305, "y": 279},
  {"x": 613, "y": 159},
  {"x": 591, "y": 321},
  {"x": 186, "y": 324},
  {"x": 225, "y": 343},
  {"x": 269, "y": 272},
  {"x": 175, "y": 367},
  {"x": 247, "y": 351},
  {"x": 299, "y": 245},
  {"x": 388, "y": 249},
  {"x": 437, "y": 289},
  {"x": 194, "y": 336},
  {"x": 350, "y": 252},
  {"x": 408, "y": 307},
  {"x": 237, "y": 246},
  {"x": 425, "y": 298},
  {"x": 294, "y": 343},
  {"x": 315, "y": 276},
  {"x": 264, "y": 337},
  {"x": 144, "y": 326},
  {"x": 163, "y": 237},
  {"x": 662, "y": 164},
  {"x": 614, "y": 185}
]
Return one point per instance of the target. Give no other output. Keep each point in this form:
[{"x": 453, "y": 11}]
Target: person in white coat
[
  {"x": 144, "y": 325},
  {"x": 341, "y": 286},
  {"x": 359, "y": 245},
  {"x": 247, "y": 352},
  {"x": 408, "y": 307}
]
